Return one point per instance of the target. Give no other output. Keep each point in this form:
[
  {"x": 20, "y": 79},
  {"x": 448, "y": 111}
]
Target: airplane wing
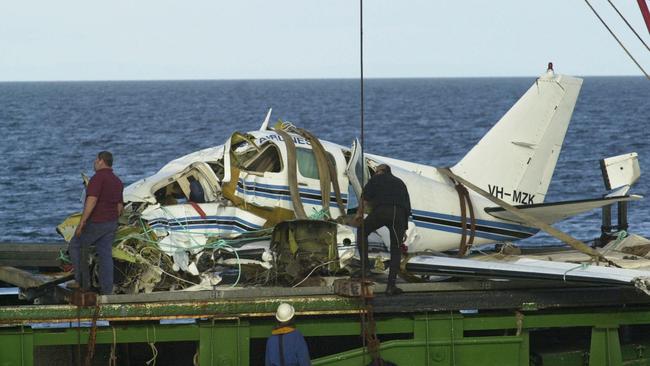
[
  {"x": 526, "y": 268},
  {"x": 556, "y": 211}
]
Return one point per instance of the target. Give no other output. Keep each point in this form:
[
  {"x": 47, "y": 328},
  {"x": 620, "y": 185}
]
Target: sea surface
[{"x": 52, "y": 131}]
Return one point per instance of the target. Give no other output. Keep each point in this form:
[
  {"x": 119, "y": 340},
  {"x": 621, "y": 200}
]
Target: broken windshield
[
  {"x": 307, "y": 164},
  {"x": 267, "y": 160}
]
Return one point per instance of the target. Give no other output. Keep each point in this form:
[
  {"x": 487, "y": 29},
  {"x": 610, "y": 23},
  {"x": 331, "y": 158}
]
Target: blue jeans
[{"x": 100, "y": 235}]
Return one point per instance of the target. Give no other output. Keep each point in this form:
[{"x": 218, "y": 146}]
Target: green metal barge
[{"x": 454, "y": 323}]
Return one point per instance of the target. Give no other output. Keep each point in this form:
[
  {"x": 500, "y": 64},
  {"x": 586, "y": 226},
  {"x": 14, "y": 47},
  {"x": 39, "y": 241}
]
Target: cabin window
[
  {"x": 184, "y": 189},
  {"x": 243, "y": 152},
  {"x": 170, "y": 194},
  {"x": 307, "y": 163},
  {"x": 267, "y": 160},
  {"x": 218, "y": 169}
]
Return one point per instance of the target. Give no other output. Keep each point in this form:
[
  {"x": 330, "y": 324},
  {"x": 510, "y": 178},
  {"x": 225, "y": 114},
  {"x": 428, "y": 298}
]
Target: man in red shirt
[{"x": 98, "y": 223}]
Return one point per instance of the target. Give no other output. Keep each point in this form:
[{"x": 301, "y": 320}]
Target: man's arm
[
  {"x": 89, "y": 206},
  {"x": 120, "y": 208},
  {"x": 358, "y": 217},
  {"x": 303, "y": 352}
]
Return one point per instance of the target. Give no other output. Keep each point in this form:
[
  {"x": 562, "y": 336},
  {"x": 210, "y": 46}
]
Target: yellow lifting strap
[
  {"x": 530, "y": 220},
  {"x": 323, "y": 169},
  {"x": 292, "y": 176},
  {"x": 326, "y": 172}
]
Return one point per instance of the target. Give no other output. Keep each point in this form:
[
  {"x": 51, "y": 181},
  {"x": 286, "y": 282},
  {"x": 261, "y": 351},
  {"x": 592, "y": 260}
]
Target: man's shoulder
[
  {"x": 395, "y": 179},
  {"x": 106, "y": 176},
  {"x": 110, "y": 173}
]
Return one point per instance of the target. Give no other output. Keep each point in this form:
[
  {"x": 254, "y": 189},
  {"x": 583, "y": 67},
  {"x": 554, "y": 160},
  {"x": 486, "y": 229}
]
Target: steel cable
[
  {"x": 617, "y": 40},
  {"x": 629, "y": 25}
]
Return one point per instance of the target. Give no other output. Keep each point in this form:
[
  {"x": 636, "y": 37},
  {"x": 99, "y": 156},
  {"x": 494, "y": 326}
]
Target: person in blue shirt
[{"x": 286, "y": 346}]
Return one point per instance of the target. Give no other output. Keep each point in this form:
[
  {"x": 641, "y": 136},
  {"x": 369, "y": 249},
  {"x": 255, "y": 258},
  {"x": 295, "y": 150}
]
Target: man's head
[
  {"x": 104, "y": 160},
  {"x": 383, "y": 169},
  {"x": 285, "y": 313}
]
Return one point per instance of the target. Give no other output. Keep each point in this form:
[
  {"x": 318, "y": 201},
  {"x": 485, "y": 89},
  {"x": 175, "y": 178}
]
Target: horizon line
[{"x": 297, "y": 78}]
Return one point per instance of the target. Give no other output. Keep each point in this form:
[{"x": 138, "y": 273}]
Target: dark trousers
[
  {"x": 395, "y": 219},
  {"x": 100, "y": 235}
]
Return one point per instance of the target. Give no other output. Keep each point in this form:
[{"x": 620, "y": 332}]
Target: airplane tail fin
[{"x": 515, "y": 160}]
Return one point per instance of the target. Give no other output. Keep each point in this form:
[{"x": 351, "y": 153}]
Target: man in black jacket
[{"x": 391, "y": 206}]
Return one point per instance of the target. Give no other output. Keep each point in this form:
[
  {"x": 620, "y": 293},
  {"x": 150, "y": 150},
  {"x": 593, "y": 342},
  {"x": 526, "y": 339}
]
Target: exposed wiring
[
  {"x": 581, "y": 266},
  {"x": 312, "y": 271}
]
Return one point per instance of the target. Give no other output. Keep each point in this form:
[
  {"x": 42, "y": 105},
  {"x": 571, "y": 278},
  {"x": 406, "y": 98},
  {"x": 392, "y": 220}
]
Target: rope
[
  {"x": 370, "y": 333},
  {"x": 617, "y": 40},
  {"x": 112, "y": 361},
  {"x": 154, "y": 350},
  {"x": 629, "y": 25},
  {"x": 195, "y": 358},
  {"x": 619, "y": 237},
  {"x": 92, "y": 338},
  {"x": 79, "y": 334},
  {"x": 319, "y": 215},
  {"x": 64, "y": 258}
]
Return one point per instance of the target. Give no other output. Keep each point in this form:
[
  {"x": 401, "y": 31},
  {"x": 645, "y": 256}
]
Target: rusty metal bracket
[{"x": 354, "y": 288}]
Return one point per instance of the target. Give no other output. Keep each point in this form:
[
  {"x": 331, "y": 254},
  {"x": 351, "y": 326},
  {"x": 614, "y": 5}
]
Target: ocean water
[{"x": 51, "y": 131}]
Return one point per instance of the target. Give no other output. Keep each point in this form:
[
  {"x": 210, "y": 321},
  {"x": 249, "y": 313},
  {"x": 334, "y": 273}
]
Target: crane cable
[
  {"x": 617, "y": 40},
  {"x": 629, "y": 25},
  {"x": 368, "y": 327}
]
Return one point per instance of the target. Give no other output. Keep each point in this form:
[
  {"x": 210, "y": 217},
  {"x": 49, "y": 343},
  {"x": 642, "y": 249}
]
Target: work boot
[{"x": 393, "y": 290}]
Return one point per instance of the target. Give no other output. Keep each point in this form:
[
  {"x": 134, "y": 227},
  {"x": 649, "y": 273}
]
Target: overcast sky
[{"x": 262, "y": 39}]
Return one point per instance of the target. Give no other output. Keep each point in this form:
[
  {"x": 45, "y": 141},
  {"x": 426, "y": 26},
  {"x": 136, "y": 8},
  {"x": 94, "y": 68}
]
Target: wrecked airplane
[{"x": 272, "y": 206}]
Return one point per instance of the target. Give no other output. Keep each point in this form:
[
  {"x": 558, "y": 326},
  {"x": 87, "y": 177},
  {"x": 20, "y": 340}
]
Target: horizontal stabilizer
[{"x": 557, "y": 211}]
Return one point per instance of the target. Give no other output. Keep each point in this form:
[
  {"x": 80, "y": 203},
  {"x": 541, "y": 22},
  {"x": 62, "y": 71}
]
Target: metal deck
[{"x": 450, "y": 323}]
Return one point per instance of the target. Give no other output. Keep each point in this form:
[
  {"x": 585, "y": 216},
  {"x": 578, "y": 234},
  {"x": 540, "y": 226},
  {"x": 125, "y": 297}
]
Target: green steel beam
[
  {"x": 224, "y": 343},
  {"x": 605, "y": 347},
  {"x": 482, "y": 351},
  {"x": 308, "y": 305},
  {"x": 16, "y": 347},
  {"x": 582, "y": 318},
  {"x": 149, "y": 333},
  {"x": 338, "y": 326},
  {"x": 437, "y": 338}
]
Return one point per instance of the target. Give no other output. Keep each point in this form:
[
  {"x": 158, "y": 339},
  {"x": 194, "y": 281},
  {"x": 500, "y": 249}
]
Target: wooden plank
[
  {"x": 31, "y": 254},
  {"x": 20, "y": 278}
]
